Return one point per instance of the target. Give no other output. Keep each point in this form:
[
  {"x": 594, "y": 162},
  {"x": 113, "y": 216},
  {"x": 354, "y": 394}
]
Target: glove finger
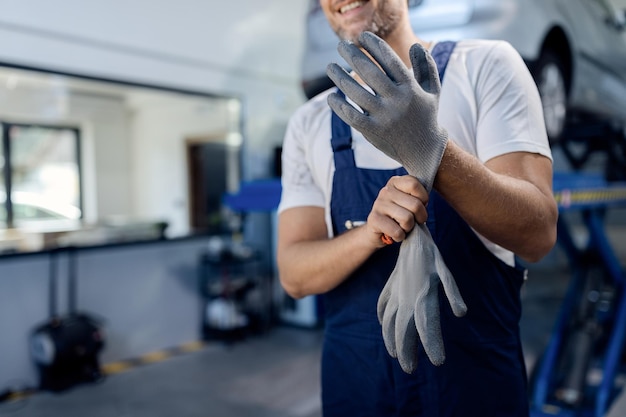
[
  {"x": 351, "y": 88},
  {"x": 419, "y": 266},
  {"x": 407, "y": 340},
  {"x": 425, "y": 69},
  {"x": 383, "y": 298},
  {"x": 428, "y": 324},
  {"x": 366, "y": 68},
  {"x": 389, "y": 328},
  {"x": 459, "y": 308},
  {"x": 348, "y": 113},
  {"x": 386, "y": 57},
  {"x": 445, "y": 276}
]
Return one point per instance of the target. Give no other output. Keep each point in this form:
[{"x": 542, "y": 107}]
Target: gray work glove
[{"x": 400, "y": 119}]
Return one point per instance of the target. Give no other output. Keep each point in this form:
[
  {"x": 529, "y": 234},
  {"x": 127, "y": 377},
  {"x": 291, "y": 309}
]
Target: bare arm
[
  {"x": 311, "y": 263},
  {"x": 508, "y": 200}
]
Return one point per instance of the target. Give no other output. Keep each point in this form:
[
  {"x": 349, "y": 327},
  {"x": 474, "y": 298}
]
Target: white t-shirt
[{"x": 489, "y": 104}]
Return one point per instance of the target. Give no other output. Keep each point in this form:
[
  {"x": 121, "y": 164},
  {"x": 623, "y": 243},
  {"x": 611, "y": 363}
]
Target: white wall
[
  {"x": 246, "y": 48},
  {"x": 160, "y": 128},
  {"x": 106, "y": 160}
]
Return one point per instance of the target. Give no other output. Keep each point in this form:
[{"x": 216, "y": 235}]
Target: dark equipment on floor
[{"x": 66, "y": 348}]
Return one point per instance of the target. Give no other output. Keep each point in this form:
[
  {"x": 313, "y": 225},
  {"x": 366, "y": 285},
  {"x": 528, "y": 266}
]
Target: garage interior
[{"x": 158, "y": 153}]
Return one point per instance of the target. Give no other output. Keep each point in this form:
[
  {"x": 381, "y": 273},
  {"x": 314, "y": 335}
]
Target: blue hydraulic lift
[{"x": 590, "y": 328}]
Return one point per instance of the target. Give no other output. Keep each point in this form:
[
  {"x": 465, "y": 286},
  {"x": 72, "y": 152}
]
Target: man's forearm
[
  {"x": 317, "y": 266},
  {"x": 508, "y": 200}
]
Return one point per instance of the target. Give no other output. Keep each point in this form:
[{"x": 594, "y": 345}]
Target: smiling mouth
[{"x": 351, "y": 6}]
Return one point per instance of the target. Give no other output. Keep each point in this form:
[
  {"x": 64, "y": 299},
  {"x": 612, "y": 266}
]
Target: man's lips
[{"x": 351, "y": 6}]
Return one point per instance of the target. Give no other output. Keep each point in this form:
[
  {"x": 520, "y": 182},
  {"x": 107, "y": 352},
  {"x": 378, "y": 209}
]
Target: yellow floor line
[
  {"x": 151, "y": 357},
  {"x": 113, "y": 368},
  {"x": 116, "y": 367}
]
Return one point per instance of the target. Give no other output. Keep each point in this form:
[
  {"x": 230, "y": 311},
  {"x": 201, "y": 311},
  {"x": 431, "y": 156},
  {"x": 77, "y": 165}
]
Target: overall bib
[{"x": 484, "y": 374}]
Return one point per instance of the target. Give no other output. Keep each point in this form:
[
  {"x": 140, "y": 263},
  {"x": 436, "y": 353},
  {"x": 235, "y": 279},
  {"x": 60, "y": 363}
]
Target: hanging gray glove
[{"x": 400, "y": 119}]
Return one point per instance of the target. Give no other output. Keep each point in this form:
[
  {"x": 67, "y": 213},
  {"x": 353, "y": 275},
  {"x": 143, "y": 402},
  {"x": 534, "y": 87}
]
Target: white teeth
[{"x": 351, "y": 6}]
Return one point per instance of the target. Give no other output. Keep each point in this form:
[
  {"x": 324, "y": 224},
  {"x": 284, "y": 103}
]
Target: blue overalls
[{"x": 484, "y": 374}]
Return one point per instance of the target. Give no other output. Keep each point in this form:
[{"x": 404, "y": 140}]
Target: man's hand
[
  {"x": 400, "y": 204},
  {"x": 400, "y": 118}
]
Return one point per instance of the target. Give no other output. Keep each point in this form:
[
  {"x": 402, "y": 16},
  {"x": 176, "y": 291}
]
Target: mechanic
[{"x": 470, "y": 159}]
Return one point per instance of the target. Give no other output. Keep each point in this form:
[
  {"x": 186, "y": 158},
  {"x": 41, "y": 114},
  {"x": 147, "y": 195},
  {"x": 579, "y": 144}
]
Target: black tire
[{"x": 551, "y": 79}]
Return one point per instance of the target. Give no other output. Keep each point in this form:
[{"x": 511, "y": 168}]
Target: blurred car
[
  {"x": 575, "y": 49},
  {"x": 28, "y": 207}
]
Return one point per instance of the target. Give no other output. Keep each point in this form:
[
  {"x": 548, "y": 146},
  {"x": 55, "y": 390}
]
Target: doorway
[{"x": 213, "y": 170}]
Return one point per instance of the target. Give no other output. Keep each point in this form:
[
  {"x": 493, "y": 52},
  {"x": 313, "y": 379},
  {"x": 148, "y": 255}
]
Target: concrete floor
[{"x": 275, "y": 374}]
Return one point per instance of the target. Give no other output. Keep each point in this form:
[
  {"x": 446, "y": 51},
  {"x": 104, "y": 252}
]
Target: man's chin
[
  {"x": 352, "y": 37},
  {"x": 354, "y": 31}
]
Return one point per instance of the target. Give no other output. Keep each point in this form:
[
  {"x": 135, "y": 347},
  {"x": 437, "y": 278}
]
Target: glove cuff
[{"x": 423, "y": 162}]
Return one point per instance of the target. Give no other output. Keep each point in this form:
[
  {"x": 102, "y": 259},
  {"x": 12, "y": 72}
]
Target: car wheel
[{"x": 549, "y": 74}]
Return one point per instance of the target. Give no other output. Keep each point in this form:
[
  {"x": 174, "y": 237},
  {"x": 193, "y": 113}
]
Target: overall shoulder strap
[
  {"x": 441, "y": 54},
  {"x": 341, "y": 141}
]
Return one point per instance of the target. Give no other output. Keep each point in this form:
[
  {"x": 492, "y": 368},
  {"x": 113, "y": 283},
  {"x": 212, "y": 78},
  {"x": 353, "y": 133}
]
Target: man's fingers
[
  {"x": 341, "y": 78},
  {"x": 386, "y": 57},
  {"x": 367, "y": 69},
  {"x": 410, "y": 185},
  {"x": 351, "y": 88},
  {"x": 395, "y": 202},
  {"x": 425, "y": 69},
  {"x": 347, "y": 112}
]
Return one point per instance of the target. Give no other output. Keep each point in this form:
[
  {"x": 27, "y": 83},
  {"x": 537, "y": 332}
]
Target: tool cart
[{"x": 235, "y": 293}]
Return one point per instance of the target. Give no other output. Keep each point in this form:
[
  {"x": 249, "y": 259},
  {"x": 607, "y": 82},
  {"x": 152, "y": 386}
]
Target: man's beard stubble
[{"x": 382, "y": 23}]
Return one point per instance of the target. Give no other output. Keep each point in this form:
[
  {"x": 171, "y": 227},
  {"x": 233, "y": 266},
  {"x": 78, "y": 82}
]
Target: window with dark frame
[{"x": 40, "y": 179}]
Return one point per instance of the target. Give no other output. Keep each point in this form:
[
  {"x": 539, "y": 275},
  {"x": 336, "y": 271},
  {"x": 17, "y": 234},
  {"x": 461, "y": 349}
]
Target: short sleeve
[
  {"x": 509, "y": 110},
  {"x": 298, "y": 185}
]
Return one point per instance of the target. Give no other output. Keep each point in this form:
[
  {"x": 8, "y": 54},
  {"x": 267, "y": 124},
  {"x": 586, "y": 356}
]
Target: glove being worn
[{"x": 400, "y": 119}]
